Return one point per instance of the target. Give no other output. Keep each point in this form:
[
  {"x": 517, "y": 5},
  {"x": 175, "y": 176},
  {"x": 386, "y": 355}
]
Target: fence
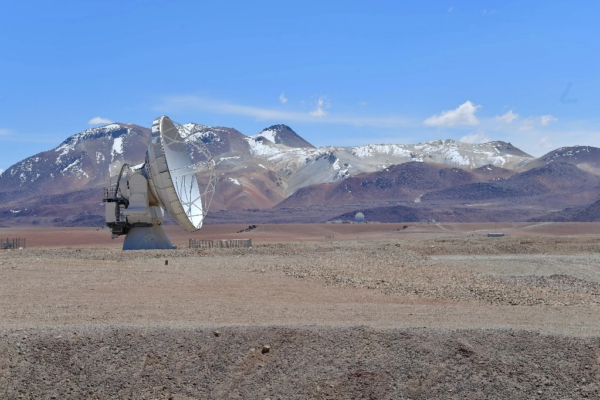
[
  {"x": 226, "y": 243},
  {"x": 201, "y": 244},
  {"x": 234, "y": 243},
  {"x": 14, "y": 243}
]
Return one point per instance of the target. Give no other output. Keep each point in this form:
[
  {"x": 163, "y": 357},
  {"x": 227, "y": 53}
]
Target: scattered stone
[
  {"x": 217, "y": 333},
  {"x": 266, "y": 348}
]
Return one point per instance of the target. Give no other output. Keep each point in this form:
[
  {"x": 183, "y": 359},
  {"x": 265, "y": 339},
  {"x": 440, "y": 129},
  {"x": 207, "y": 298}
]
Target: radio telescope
[{"x": 177, "y": 175}]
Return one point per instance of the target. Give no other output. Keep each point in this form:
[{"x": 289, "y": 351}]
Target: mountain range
[{"x": 278, "y": 176}]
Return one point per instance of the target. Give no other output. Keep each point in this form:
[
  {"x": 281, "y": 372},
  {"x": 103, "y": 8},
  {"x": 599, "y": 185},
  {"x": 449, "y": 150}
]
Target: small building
[{"x": 359, "y": 218}]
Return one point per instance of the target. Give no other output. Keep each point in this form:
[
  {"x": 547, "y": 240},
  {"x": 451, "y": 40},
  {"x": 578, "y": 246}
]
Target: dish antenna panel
[{"x": 178, "y": 175}]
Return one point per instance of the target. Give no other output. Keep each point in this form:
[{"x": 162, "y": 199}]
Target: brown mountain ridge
[{"x": 266, "y": 178}]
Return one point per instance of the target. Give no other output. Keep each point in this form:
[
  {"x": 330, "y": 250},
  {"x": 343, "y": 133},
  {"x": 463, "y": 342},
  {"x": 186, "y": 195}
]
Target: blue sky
[{"x": 339, "y": 73}]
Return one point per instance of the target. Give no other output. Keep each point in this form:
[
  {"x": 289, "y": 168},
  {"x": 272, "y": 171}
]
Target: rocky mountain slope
[
  {"x": 585, "y": 157},
  {"x": 304, "y": 166},
  {"x": 542, "y": 184},
  {"x": 398, "y": 182},
  {"x": 277, "y": 169},
  {"x": 589, "y": 213}
]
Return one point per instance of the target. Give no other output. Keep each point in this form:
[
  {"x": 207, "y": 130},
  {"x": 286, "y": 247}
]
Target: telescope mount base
[{"x": 151, "y": 237}]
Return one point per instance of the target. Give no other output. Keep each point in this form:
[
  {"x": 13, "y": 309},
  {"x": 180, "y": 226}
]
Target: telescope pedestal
[{"x": 147, "y": 238}]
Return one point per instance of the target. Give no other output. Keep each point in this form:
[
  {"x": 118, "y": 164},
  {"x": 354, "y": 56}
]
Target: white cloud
[
  {"x": 476, "y": 137},
  {"x": 531, "y": 123},
  {"x": 462, "y": 115},
  {"x": 178, "y": 103},
  {"x": 506, "y": 118},
  {"x": 546, "y": 120},
  {"x": 99, "y": 120},
  {"x": 282, "y": 98},
  {"x": 362, "y": 103},
  {"x": 4, "y": 131},
  {"x": 1, "y": 171},
  {"x": 319, "y": 111}
]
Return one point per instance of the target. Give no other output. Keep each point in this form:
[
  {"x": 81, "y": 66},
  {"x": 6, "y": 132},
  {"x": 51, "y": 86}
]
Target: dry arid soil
[{"x": 374, "y": 311}]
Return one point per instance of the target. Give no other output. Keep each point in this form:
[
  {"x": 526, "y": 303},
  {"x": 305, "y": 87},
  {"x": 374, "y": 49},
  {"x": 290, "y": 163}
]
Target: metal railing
[
  {"x": 224, "y": 243},
  {"x": 235, "y": 243},
  {"x": 201, "y": 244},
  {"x": 110, "y": 192},
  {"x": 14, "y": 243}
]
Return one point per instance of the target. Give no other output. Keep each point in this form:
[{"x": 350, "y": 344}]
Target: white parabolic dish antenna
[{"x": 178, "y": 175}]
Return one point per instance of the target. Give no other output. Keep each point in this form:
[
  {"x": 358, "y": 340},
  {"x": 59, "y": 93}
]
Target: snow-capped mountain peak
[
  {"x": 111, "y": 130},
  {"x": 86, "y": 158},
  {"x": 284, "y": 135}
]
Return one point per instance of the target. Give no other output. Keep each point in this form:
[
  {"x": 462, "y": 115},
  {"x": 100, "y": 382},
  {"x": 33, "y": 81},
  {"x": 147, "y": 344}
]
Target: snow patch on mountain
[
  {"x": 453, "y": 156},
  {"x": 187, "y": 129},
  {"x": 75, "y": 168},
  {"x": 204, "y": 133},
  {"x": 117, "y": 147},
  {"x": 498, "y": 160},
  {"x": 25, "y": 167},
  {"x": 341, "y": 172},
  {"x": 336, "y": 165},
  {"x": 228, "y": 158},
  {"x": 371, "y": 150},
  {"x": 111, "y": 130},
  {"x": 259, "y": 147},
  {"x": 268, "y": 134},
  {"x": 94, "y": 133},
  {"x": 570, "y": 151},
  {"x": 464, "y": 154},
  {"x": 64, "y": 149}
]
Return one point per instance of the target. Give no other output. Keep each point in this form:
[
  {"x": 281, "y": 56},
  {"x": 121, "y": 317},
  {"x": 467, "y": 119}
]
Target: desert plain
[{"x": 311, "y": 311}]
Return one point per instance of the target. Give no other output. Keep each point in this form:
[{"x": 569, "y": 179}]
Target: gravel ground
[
  {"x": 440, "y": 318},
  {"x": 301, "y": 363},
  {"x": 409, "y": 269}
]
